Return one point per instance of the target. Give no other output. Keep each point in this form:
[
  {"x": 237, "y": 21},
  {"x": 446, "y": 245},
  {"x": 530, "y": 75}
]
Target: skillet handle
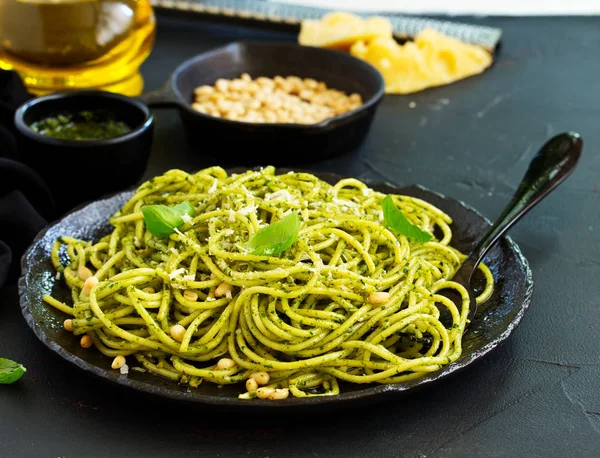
[{"x": 160, "y": 98}]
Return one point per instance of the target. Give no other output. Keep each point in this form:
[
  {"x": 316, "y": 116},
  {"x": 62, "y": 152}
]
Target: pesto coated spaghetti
[{"x": 350, "y": 300}]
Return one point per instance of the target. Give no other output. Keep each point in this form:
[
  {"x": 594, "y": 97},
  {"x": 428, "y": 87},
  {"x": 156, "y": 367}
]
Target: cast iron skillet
[
  {"x": 495, "y": 319},
  {"x": 273, "y": 143}
]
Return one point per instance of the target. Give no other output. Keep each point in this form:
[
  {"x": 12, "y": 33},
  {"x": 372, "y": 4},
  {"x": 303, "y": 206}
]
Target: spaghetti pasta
[{"x": 350, "y": 300}]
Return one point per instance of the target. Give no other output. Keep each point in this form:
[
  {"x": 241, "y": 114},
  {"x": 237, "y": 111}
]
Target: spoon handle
[{"x": 553, "y": 163}]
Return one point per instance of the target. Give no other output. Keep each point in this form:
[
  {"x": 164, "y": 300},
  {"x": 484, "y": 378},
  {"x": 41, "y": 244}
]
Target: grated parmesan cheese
[
  {"x": 124, "y": 369},
  {"x": 345, "y": 203},
  {"x": 176, "y": 272},
  {"x": 213, "y": 187},
  {"x": 248, "y": 193},
  {"x": 186, "y": 218},
  {"x": 247, "y": 210},
  {"x": 282, "y": 195}
]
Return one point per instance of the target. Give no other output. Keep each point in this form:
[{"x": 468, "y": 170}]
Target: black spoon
[{"x": 553, "y": 163}]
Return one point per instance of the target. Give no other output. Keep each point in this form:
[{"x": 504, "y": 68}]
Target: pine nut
[
  {"x": 204, "y": 90},
  {"x": 280, "y": 393},
  {"x": 262, "y": 377},
  {"x": 225, "y": 363},
  {"x": 190, "y": 295},
  {"x": 251, "y": 385},
  {"x": 379, "y": 298},
  {"x": 118, "y": 362},
  {"x": 264, "y": 392},
  {"x": 89, "y": 284},
  {"x": 222, "y": 85},
  {"x": 86, "y": 341},
  {"x": 84, "y": 273},
  {"x": 177, "y": 331},
  {"x": 68, "y": 325},
  {"x": 222, "y": 289}
]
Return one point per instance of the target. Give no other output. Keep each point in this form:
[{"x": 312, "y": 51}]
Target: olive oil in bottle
[{"x": 73, "y": 44}]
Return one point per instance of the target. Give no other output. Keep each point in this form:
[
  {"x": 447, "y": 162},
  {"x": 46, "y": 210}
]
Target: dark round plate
[{"x": 494, "y": 322}]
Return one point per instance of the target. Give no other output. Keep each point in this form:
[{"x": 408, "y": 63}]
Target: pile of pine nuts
[{"x": 273, "y": 100}]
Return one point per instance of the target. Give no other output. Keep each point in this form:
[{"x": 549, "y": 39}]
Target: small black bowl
[
  {"x": 77, "y": 171},
  {"x": 278, "y": 144}
]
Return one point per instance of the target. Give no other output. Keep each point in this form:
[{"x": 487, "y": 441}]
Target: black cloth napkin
[{"x": 26, "y": 204}]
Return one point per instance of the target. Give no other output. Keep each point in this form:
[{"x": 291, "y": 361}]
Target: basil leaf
[
  {"x": 10, "y": 371},
  {"x": 162, "y": 220},
  {"x": 184, "y": 208},
  {"x": 395, "y": 220},
  {"x": 275, "y": 238}
]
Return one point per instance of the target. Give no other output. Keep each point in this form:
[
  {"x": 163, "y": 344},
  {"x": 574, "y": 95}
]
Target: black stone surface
[{"x": 537, "y": 395}]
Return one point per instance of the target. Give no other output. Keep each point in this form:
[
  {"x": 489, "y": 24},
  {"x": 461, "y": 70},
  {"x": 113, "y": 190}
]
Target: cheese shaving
[
  {"x": 176, "y": 272},
  {"x": 247, "y": 210},
  {"x": 213, "y": 187}
]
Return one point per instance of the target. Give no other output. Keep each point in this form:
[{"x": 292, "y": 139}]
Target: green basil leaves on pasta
[
  {"x": 395, "y": 220},
  {"x": 162, "y": 220},
  {"x": 275, "y": 238},
  {"x": 10, "y": 371}
]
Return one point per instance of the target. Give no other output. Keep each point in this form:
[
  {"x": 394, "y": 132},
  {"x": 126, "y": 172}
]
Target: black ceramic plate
[{"x": 494, "y": 322}]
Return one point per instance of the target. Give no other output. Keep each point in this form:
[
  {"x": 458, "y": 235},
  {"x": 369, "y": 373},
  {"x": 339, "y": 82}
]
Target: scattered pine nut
[
  {"x": 264, "y": 392},
  {"x": 280, "y": 393},
  {"x": 261, "y": 378},
  {"x": 118, "y": 362},
  {"x": 251, "y": 385},
  {"x": 225, "y": 363},
  {"x": 222, "y": 289},
  {"x": 379, "y": 298},
  {"x": 86, "y": 341},
  {"x": 190, "y": 295},
  {"x": 84, "y": 273},
  {"x": 177, "y": 331},
  {"x": 89, "y": 284}
]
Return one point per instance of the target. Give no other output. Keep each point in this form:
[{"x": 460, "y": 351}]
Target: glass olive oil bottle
[{"x": 72, "y": 44}]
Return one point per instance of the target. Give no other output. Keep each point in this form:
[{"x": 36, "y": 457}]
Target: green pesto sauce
[{"x": 85, "y": 125}]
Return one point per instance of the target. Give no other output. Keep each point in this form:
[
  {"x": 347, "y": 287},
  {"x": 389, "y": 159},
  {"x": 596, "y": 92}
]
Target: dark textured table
[{"x": 537, "y": 395}]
